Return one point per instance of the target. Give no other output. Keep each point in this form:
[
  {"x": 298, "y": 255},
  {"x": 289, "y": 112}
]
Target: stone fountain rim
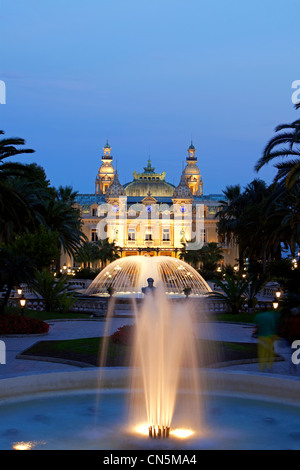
[{"x": 277, "y": 389}]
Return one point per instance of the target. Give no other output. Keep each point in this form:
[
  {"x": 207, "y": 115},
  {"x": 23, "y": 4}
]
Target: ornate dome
[
  {"x": 106, "y": 168},
  {"x": 191, "y": 169},
  {"x": 143, "y": 188},
  {"x": 149, "y": 182}
]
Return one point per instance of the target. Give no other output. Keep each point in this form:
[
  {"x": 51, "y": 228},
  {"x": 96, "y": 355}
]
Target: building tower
[
  {"x": 192, "y": 173},
  {"x": 106, "y": 172}
]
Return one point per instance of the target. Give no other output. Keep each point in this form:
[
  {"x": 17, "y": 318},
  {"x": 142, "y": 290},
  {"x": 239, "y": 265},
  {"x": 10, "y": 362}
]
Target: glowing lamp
[
  {"x": 278, "y": 293},
  {"x": 23, "y": 302}
]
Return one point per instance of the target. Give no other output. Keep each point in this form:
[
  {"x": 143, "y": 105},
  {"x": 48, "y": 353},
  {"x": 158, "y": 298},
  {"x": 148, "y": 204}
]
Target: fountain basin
[{"x": 67, "y": 411}]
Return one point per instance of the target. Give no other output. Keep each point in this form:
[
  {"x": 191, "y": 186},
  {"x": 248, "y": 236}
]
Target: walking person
[{"x": 266, "y": 332}]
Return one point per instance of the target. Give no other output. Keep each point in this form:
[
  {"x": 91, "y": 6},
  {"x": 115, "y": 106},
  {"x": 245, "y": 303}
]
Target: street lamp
[
  {"x": 275, "y": 304},
  {"x": 19, "y": 290},
  {"x": 23, "y": 302},
  {"x": 278, "y": 294}
]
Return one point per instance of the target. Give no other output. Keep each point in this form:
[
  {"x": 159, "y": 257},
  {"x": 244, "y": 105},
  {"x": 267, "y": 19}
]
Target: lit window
[
  {"x": 94, "y": 236},
  {"x": 131, "y": 234},
  {"x": 166, "y": 234},
  {"x": 148, "y": 234}
]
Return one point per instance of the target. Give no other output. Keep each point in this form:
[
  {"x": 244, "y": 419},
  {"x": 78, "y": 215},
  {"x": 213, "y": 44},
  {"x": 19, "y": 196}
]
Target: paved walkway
[{"x": 96, "y": 328}]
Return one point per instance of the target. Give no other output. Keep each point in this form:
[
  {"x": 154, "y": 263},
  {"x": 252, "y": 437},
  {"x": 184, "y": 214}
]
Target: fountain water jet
[
  {"x": 165, "y": 356},
  {"x": 127, "y": 276}
]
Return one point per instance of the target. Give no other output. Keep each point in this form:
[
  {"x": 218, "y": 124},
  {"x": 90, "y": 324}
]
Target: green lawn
[
  {"x": 238, "y": 318},
  {"x": 88, "y": 350}
]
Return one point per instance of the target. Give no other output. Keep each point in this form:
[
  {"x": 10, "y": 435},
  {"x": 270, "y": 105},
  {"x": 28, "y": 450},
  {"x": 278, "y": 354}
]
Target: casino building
[{"x": 149, "y": 215}]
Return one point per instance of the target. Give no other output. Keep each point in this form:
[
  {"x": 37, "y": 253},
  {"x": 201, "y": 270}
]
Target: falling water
[
  {"x": 129, "y": 275},
  {"x": 165, "y": 366},
  {"x": 165, "y": 383}
]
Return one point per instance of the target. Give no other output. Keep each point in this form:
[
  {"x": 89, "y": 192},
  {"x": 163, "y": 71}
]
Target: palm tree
[
  {"x": 64, "y": 219},
  {"x": 50, "y": 289},
  {"x": 191, "y": 257},
  {"x": 8, "y": 147},
  {"x": 234, "y": 292},
  {"x": 283, "y": 217},
  {"x": 87, "y": 253},
  {"x": 14, "y": 209},
  {"x": 286, "y": 144},
  {"x": 243, "y": 218},
  {"x": 210, "y": 255},
  {"x": 67, "y": 195},
  {"x": 108, "y": 251},
  {"x": 229, "y": 223}
]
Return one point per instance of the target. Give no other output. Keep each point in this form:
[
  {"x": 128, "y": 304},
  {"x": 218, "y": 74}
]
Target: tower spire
[{"x": 191, "y": 152}]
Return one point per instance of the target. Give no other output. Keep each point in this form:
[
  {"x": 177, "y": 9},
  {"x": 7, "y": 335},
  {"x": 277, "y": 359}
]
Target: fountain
[
  {"x": 165, "y": 400},
  {"x": 127, "y": 276},
  {"x": 165, "y": 352}
]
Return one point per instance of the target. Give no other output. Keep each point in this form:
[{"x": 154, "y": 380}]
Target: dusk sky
[{"x": 149, "y": 76}]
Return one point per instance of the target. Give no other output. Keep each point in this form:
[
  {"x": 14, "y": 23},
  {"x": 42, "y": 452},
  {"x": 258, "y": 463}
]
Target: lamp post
[
  {"x": 23, "y": 302},
  {"x": 278, "y": 294},
  {"x": 275, "y": 304},
  {"x": 19, "y": 290}
]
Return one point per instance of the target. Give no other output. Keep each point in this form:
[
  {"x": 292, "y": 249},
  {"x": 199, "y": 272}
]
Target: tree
[
  {"x": 41, "y": 246},
  {"x": 286, "y": 144},
  {"x": 234, "y": 291},
  {"x": 67, "y": 195},
  {"x": 282, "y": 218},
  {"x": 87, "y": 254},
  {"x": 108, "y": 251},
  {"x": 191, "y": 257},
  {"x": 210, "y": 255},
  {"x": 14, "y": 209},
  {"x": 51, "y": 290},
  {"x": 64, "y": 219},
  {"x": 243, "y": 219}
]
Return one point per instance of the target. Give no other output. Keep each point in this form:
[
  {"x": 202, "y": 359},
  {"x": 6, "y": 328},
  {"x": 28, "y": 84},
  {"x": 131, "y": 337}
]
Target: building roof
[
  {"x": 115, "y": 189},
  {"x": 182, "y": 191},
  {"x": 149, "y": 182}
]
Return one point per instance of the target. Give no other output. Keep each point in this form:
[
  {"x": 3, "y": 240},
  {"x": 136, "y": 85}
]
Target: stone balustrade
[{"x": 98, "y": 306}]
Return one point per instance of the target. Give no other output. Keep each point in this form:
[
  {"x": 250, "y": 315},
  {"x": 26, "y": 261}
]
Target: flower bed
[
  {"x": 123, "y": 335},
  {"x": 19, "y": 325}
]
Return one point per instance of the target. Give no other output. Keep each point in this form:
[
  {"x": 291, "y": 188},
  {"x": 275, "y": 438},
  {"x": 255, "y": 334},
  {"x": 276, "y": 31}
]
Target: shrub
[
  {"x": 123, "y": 335},
  {"x": 19, "y": 325}
]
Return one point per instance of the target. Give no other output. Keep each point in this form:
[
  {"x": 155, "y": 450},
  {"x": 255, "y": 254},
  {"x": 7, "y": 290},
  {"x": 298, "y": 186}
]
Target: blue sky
[{"x": 149, "y": 76}]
